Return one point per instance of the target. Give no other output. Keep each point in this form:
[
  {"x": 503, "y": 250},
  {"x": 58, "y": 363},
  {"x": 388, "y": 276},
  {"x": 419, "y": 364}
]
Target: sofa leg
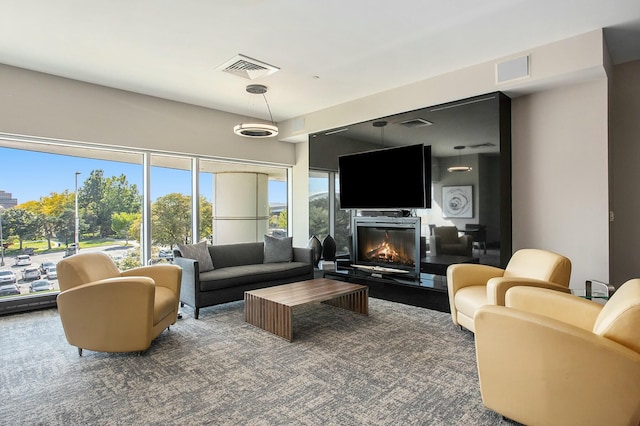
[
  {"x": 79, "y": 351},
  {"x": 196, "y": 313}
]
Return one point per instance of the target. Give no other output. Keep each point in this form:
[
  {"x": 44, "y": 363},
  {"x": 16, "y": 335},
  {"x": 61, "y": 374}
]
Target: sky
[{"x": 29, "y": 175}]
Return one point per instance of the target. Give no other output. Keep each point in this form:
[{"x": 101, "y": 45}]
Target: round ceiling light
[
  {"x": 454, "y": 169},
  {"x": 255, "y": 130},
  {"x": 460, "y": 168}
]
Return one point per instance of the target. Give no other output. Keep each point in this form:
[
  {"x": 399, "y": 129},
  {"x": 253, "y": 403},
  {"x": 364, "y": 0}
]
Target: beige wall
[
  {"x": 624, "y": 125},
  {"x": 43, "y": 105},
  {"x": 560, "y": 176}
]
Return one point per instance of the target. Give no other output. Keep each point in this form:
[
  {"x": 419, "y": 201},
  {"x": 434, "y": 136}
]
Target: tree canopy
[{"x": 108, "y": 207}]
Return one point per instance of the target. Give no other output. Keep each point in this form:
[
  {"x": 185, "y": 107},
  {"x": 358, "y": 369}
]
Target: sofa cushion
[
  {"x": 236, "y": 254},
  {"x": 278, "y": 250},
  {"x": 469, "y": 299},
  {"x": 248, "y": 274},
  {"x": 199, "y": 252}
]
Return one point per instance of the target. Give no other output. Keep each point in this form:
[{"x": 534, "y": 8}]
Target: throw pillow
[
  {"x": 277, "y": 250},
  {"x": 198, "y": 252}
]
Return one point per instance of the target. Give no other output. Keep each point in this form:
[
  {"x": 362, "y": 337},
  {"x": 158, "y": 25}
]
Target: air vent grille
[
  {"x": 246, "y": 67},
  {"x": 415, "y": 122}
]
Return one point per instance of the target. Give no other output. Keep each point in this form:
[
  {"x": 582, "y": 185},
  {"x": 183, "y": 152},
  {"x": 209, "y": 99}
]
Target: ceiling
[
  {"x": 472, "y": 123},
  {"x": 328, "y": 52}
]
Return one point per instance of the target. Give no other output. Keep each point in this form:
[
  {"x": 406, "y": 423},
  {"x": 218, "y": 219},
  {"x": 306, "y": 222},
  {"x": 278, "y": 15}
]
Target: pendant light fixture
[
  {"x": 459, "y": 167},
  {"x": 381, "y": 124},
  {"x": 257, "y": 130}
]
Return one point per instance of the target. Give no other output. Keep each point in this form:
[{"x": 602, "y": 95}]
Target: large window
[
  {"x": 342, "y": 226},
  {"x": 171, "y": 209},
  {"x": 319, "y": 204},
  {"x": 134, "y": 206},
  {"x": 325, "y": 215}
]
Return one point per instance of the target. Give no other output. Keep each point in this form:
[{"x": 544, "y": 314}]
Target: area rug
[{"x": 401, "y": 365}]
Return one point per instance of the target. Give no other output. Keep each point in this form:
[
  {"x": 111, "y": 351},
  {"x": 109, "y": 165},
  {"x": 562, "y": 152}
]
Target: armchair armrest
[
  {"x": 467, "y": 240},
  {"x": 537, "y": 370},
  {"x": 467, "y": 274},
  {"x": 110, "y": 315},
  {"x": 303, "y": 254},
  {"x": 497, "y": 287},
  {"x": 190, "y": 282},
  {"x": 553, "y": 304},
  {"x": 434, "y": 245},
  {"x": 168, "y": 276}
]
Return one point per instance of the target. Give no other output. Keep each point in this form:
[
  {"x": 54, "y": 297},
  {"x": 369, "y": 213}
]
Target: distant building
[
  {"x": 277, "y": 208},
  {"x": 6, "y": 200}
]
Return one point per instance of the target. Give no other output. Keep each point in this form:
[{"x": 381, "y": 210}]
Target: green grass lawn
[{"x": 40, "y": 246}]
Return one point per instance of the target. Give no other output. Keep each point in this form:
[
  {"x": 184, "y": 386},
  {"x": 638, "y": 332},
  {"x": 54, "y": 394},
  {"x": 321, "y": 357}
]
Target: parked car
[
  {"x": 9, "y": 289},
  {"x": 52, "y": 273},
  {"x": 44, "y": 266},
  {"x": 165, "y": 254},
  {"x": 23, "y": 260},
  {"x": 40, "y": 285},
  {"x": 7, "y": 277},
  {"x": 31, "y": 273},
  {"x": 71, "y": 250}
]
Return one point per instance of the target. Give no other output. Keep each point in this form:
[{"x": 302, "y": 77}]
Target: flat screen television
[{"x": 391, "y": 178}]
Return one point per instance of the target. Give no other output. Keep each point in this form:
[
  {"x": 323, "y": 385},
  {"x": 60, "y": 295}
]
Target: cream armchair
[
  {"x": 472, "y": 286},
  {"x": 446, "y": 241},
  {"x": 550, "y": 358},
  {"x": 104, "y": 309}
]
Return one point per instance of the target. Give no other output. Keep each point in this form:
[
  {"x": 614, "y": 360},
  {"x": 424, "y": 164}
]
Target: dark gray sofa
[{"x": 237, "y": 268}]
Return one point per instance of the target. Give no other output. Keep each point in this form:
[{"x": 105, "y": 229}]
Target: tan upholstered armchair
[
  {"x": 551, "y": 358},
  {"x": 445, "y": 240},
  {"x": 471, "y": 285},
  {"x": 104, "y": 309}
]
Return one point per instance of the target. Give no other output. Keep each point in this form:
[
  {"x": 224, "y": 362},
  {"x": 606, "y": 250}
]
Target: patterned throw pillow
[
  {"x": 277, "y": 250},
  {"x": 198, "y": 252}
]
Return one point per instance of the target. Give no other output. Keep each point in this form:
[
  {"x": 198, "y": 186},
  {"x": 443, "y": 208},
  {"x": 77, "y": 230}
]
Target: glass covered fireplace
[{"x": 388, "y": 242}]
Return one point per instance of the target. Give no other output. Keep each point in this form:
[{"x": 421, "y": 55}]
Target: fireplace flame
[{"x": 385, "y": 252}]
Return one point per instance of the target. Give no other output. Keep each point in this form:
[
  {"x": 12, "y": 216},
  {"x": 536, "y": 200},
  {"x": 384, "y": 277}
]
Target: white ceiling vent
[
  {"x": 246, "y": 67},
  {"x": 415, "y": 122}
]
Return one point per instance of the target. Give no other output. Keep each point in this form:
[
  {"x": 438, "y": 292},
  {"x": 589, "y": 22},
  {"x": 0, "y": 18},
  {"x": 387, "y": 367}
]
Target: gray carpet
[{"x": 401, "y": 365}]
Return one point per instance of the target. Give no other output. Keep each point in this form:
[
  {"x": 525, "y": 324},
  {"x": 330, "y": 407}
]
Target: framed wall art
[{"x": 457, "y": 201}]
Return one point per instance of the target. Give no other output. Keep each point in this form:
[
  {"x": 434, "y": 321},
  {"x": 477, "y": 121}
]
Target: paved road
[{"x": 37, "y": 259}]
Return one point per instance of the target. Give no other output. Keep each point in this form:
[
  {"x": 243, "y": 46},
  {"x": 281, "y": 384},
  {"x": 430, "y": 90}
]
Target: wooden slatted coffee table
[{"x": 270, "y": 308}]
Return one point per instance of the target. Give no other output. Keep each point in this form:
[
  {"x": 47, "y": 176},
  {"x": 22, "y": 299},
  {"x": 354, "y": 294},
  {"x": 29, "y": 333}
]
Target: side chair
[
  {"x": 551, "y": 358},
  {"x": 107, "y": 310},
  {"x": 471, "y": 286}
]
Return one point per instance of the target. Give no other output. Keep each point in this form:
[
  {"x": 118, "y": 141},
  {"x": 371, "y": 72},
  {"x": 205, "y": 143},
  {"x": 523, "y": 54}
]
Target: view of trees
[
  {"x": 319, "y": 225},
  {"x": 171, "y": 219},
  {"x": 100, "y": 197},
  {"x": 108, "y": 207}
]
